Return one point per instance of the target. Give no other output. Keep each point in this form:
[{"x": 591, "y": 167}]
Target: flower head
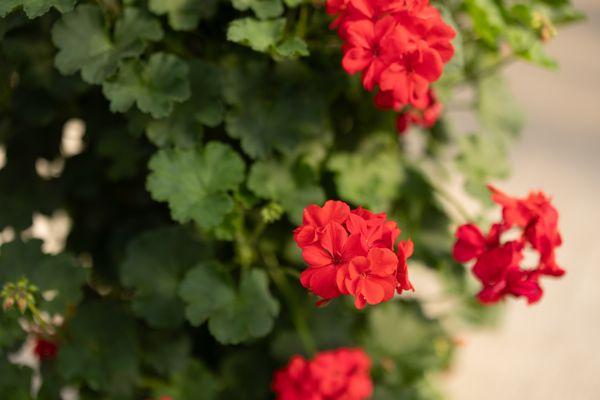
[
  {"x": 498, "y": 264},
  {"x": 401, "y": 47},
  {"x": 352, "y": 252},
  {"x": 341, "y": 374}
]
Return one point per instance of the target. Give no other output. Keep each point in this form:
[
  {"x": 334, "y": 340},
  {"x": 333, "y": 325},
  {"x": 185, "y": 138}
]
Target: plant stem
[
  {"x": 302, "y": 21},
  {"x": 453, "y": 201},
  {"x": 298, "y": 319}
]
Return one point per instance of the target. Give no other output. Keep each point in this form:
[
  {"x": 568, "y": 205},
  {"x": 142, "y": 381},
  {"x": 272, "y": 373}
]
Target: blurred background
[{"x": 550, "y": 351}]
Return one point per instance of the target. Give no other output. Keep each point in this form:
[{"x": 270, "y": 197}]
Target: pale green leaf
[
  {"x": 258, "y": 35},
  {"x": 370, "y": 176}
]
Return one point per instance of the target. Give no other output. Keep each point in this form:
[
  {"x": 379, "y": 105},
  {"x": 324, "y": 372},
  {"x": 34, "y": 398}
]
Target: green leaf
[
  {"x": 86, "y": 45},
  {"x": 206, "y": 290},
  {"x": 155, "y": 86},
  {"x": 35, "y": 8},
  {"x": 166, "y": 352},
  {"x": 196, "y": 183},
  {"x": 262, "y": 8},
  {"x": 100, "y": 348},
  {"x": 196, "y": 382},
  {"x": 292, "y": 48},
  {"x": 56, "y": 275},
  {"x": 250, "y": 315},
  {"x": 400, "y": 331},
  {"x": 241, "y": 377},
  {"x": 372, "y": 175},
  {"x": 155, "y": 264},
  {"x": 272, "y": 180},
  {"x": 487, "y": 19},
  {"x": 258, "y": 35},
  {"x": 15, "y": 380},
  {"x": 10, "y": 331},
  {"x": 527, "y": 45},
  {"x": 184, "y": 14},
  {"x": 281, "y": 108},
  {"x": 497, "y": 110},
  {"x": 481, "y": 159},
  {"x": 183, "y": 128}
]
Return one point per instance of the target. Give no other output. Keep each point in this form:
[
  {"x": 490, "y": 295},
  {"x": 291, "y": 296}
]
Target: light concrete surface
[{"x": 551, "y": 351}]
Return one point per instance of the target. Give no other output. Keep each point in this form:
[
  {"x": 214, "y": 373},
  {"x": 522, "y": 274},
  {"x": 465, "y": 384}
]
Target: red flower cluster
[
  {"x": 45, "y": 349},
  {"x": 400, "y": 46},
  {"x": 352, "y": 252},
  {"x": 341, "y": 374},
  {"x": 498, "y": 264}
]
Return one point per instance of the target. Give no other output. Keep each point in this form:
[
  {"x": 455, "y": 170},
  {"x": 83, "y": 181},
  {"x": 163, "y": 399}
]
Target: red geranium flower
[
  {"x": 498, "y": 265},
  {"x": 341, "y": 374},
  {"x": 372, "y": 279},
  {"x": 400, "y": 46},
  {"x": 352, "y": 252},
  {"x": 425, "y": 117}
]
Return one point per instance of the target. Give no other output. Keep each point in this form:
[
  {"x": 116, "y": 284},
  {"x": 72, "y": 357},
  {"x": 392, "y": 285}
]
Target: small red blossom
[
  {"x": 425, "y": 117},
  {"x": 342, "y": 374},
  {"x": 45, "y": 349},
  {"x": 399, "y": 46},
  {"x": 498, "y": 265},
  {"x": 352, "y": 252}
]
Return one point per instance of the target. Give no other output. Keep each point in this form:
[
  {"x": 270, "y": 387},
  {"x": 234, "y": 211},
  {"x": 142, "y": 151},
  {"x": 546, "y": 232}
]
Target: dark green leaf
[
  {"x": 252, "y": 313},
  {"x": 274, "y": 181},
  {"x": 183, "y": 128},
  {"x": 196, "y": 382},
  {"x": 262, "y": 8},
  {"x": 35, "y": 8},
  {"x": 85, "y": 44},
  {"x": 155, "y": 86},
  {"x": 101, "y": 349},
  {"x": 205, "y": 290},
  {"x": 56, "y": 275},
  {"x": 184, "y": 14},
  {"x": 155, "y": 264}
]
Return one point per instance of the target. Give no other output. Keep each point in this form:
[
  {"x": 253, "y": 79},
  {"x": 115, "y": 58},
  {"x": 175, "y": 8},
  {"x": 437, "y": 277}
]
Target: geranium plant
[{"x": 247, "y": 187}]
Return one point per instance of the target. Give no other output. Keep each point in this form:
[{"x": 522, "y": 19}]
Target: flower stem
[
  {"x": 298, "y": 319},
  {"x": 453, "y": 201}
]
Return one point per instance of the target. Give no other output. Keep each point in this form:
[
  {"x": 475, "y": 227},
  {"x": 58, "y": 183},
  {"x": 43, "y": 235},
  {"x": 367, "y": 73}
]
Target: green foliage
[
  {"x": 35, "y": 8},
  {"x": 84, "y": 44},
  {"x": 274, "y": 181},
  {"x": 370, "y": 176},
  {"x": 101, "y": 350},
  {"x": 258, "y": 35},
  {"x": 155, "y": 86},
  {"x": 184, "y": 14},
  {"x": 58, "y": 274},
  {"x": 206, "y": 291},
  {"x": 234, "y": 315},
  {"x": 197, "y": 183},
  {"x": 208, "y": 127},
  {"x": 155, "y": 264}
]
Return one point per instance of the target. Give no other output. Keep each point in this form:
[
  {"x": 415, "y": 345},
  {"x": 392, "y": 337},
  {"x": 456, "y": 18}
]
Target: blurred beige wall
[{"x": 551, "y": 351}]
